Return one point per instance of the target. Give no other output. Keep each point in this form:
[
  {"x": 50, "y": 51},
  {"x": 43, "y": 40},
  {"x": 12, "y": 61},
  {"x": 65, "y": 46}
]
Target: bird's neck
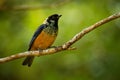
[{"x": 52, "y": 29}]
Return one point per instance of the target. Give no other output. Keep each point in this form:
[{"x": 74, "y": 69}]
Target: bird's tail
[{"x": 28, "y": 61}]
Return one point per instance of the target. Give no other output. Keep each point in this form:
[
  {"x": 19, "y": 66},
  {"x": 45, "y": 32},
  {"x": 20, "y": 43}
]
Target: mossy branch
[{"x": 65, "y": 46}]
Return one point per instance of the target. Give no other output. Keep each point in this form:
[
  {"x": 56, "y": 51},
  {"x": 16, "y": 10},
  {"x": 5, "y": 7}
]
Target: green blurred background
[{"x": 97, "y": 56}]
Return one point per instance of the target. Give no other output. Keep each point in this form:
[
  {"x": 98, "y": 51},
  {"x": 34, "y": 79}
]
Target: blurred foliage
[{"x": 98, "y": 53}]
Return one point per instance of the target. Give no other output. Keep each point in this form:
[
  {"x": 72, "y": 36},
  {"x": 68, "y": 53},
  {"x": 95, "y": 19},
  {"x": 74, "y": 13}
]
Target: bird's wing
[{"x": 37, "y": 32}]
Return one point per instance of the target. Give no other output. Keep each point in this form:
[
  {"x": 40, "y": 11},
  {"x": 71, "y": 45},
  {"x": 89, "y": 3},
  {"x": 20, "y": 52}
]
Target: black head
[{"x": 53, "y": 18}]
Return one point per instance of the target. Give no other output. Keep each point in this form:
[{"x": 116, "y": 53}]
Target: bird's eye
[{"x": 53, "y": 18}]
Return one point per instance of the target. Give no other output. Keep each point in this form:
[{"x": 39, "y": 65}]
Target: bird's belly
[{"x": 43, "y": 41}]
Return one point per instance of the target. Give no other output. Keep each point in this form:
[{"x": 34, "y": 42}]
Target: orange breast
[{"x": 43, "y": 41}]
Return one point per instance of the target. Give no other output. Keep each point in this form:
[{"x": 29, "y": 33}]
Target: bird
[{"x": 43, "y": 37}]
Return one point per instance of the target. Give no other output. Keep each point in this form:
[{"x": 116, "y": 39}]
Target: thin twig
[
  {"x": 65, "y": 46},
  {"x": 34, "y": 7}
]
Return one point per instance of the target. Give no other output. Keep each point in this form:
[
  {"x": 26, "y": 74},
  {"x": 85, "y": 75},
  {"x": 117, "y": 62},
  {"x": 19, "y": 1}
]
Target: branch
[
  {"x": 65, "y": 46},
  {"x": 34, "y": 7}
]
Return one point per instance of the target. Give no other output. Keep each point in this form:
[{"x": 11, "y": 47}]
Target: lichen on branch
[{"x": 65, "y": 46}]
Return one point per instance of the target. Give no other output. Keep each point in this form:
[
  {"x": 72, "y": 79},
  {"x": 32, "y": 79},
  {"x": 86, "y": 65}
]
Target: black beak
[{"x": 59, "y": 16}]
